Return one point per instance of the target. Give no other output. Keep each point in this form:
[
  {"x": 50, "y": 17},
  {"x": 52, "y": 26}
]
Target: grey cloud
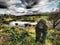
[
  {"x": 17, "y": 7},
  {"x": 29, "y": 3},
  {"x": 3, "y": 4},
  {"x": 7, "y": 3}
]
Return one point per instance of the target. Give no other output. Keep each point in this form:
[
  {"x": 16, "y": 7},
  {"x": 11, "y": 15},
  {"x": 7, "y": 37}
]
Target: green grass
[
  {"x": 17, "y": 36},
  {"x": 11, "y": 36}
]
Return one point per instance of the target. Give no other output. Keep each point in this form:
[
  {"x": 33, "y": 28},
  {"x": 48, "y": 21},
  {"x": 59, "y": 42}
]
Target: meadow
[{"x": 25, "y": 36}]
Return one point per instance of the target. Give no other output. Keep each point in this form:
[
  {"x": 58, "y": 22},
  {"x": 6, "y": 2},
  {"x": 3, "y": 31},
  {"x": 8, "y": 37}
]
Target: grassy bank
[{"x": 17, "y": 36}]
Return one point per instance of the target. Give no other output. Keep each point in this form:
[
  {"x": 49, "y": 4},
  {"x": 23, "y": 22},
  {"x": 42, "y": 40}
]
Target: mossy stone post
[{"x": 41, "y": 31}]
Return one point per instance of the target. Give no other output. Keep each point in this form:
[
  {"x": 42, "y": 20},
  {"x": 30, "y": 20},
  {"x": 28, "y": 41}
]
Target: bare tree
[{"x": 55, "y": 18}]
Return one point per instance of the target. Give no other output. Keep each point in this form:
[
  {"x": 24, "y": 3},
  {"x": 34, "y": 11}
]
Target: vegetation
[
  {"x": 54, "y": 17},
  {"x": 26, "y": 36},
  {"x": 17, "y": 36}
]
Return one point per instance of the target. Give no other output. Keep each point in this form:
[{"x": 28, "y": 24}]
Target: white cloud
[
  {"x": 10, "y": 2},
  {"x": 36, "y": 8},
  {"x": 42, "y": 6}
]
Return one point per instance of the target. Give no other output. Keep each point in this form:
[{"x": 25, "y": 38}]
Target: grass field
[
  {"x": 18, "y": 36},
  {"x": 25, "y": 36}
]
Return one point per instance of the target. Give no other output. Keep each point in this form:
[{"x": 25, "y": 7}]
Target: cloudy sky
[{"x": 17, "y": 7}]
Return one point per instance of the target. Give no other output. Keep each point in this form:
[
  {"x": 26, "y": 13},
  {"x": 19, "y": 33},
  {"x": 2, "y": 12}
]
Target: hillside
[{"x": 24, "y": 35}]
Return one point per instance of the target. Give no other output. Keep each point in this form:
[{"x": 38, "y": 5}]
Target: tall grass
[{"x": 17, "y": 36}]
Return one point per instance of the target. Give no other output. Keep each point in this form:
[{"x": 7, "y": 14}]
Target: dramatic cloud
[{"x": 17, "y": 7}]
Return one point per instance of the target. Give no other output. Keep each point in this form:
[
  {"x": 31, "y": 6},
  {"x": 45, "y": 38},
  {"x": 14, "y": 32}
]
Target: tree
[{"x": 55, "y": 18}]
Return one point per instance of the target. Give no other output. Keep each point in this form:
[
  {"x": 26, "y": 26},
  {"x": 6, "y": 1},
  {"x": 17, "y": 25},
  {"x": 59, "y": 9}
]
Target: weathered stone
[{"x": 41, "y": 31}]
